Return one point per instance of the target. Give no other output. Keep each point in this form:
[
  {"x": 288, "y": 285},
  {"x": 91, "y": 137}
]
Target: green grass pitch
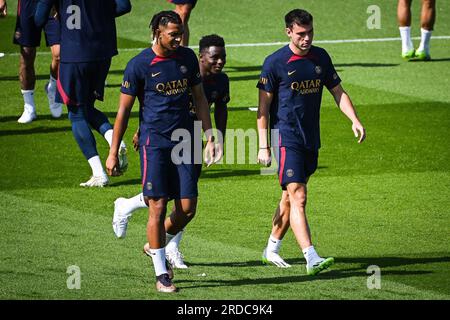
[{"x": 385, "y": 202}]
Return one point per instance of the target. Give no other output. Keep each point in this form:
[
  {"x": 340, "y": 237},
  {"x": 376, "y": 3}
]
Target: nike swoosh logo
[
  {"x": 291, "y": 72},
  {"x": 155, "y": 74}
]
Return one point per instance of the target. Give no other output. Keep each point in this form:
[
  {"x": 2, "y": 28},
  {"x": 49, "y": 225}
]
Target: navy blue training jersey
[
  {"x": 88, "y": 29},
  {"x": 217, "y": 90},
  {"x": 162, "y": 86},
  {"x": 297, "y": 84}
]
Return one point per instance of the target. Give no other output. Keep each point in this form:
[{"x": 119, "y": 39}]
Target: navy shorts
[
  {"x": 82, "y": 82},
  {"x": 296, "y": 165},
  {"x": 27, "y": 34},
  {"x": 161, "y": 178},
  {"x": 193, "y": 2}
]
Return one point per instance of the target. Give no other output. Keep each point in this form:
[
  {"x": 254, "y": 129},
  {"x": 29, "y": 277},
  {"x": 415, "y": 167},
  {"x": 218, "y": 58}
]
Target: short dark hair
[
  {"x": 298, "y": 16},
  {"x": 163, "y": 18},
  {"x": 212, "y": 40}
]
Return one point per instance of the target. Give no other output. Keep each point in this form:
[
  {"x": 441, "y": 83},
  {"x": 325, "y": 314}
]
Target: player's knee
[
  {"x": 157, "y": 205},
  {"x": 184, "y": 11},
  {"x": 428, "y": 4},
  {"x": 28, "y": 55},
  {"x": 300, "y": 197},
  {"x": 188, "y": 212}
]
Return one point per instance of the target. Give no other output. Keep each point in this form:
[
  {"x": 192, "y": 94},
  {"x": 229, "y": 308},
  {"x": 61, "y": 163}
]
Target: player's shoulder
[
  {"x": 185, "y": 52},
  {"x": 320, "y": 52},
  {"x": 141, "y": 59},
  {"x": 223, "y": 78},
  {"x": 278, "y": 56}
]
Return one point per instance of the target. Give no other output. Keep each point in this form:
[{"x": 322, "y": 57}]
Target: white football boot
[
  {"x": 56, "y": 109},
  {"x": 28, "y": 114},
  {"x": 273, "y": 257},
  {"x": 175, "y": 259},
  {"x": 120, "y": 218},
  {"x": 96, "y": 181}
]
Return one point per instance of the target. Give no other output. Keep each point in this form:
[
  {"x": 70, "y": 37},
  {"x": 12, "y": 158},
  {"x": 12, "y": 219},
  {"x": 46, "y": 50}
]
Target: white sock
[
  {"x": 28, "y": 98},
  {"x": 174, "y": 243},
  {"x": 109, "y": 136},
  {"x": 134, "y": 203},
  {"x": 169, "y": 237},
  {"x": 52, "y": 85},
  {"x": 425, "y": 40},
  {"x": 159, "y": 260},
  {"x": 405, "y": 34},
  {"x": 96, "y": 166},
  {"x": 311, "y": 255},
  {"x": 273, "y": 244}
]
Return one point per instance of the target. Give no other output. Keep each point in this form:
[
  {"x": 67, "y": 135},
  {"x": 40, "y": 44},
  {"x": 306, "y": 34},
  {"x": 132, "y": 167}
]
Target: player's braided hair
[
  {"x": 212, "y": 40},
  {"x": 163, "y": 18},
  {"x": 298, "y": 16}
]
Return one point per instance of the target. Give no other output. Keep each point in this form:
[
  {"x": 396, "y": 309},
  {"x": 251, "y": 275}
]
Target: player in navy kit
[
  {"x": 290, "y": 93},
  {"x": 161, "y": 77},
  {"x": 88, "y": 43},
  {"x": 184, "y": 8},
  {"x": 212, "y": 60},
  {"x": 28, "y": 36}
]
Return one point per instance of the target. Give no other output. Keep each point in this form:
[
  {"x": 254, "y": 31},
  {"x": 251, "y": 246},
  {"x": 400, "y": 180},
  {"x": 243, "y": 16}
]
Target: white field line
[{"x": 267, "y": 44}]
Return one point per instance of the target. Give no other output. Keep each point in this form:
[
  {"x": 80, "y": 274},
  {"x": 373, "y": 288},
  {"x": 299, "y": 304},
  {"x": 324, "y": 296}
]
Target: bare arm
[
  {"x": 120, "y": 126},
  {"x": 265, "y": 99},
  {"x": 345, "y": 104}
]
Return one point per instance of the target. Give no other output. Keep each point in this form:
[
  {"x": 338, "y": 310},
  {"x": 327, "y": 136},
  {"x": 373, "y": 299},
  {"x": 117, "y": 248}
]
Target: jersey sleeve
[
  {"x": 132, "y": 80},
  {"x": 194, "y": 76},
  {"x": 268, "y": 79},
  {"x": 224, "y": 97},
  {"x": 332, "y": 79}
]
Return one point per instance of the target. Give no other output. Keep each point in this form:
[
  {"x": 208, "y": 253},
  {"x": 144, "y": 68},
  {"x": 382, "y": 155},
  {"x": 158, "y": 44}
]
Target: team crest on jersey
[
  {"x": 290, "y": 173},
  {"x": 183, "y": 69},
  {"x": 318, "y": 69}
]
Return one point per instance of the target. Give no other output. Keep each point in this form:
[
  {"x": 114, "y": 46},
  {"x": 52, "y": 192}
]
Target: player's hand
[
  {"x": 359, "y": 131},
  {"x": 264, "y": 157},
  {"x": 219, "y": 152},
  {"x": 209, "y": 153},
  {"x": 3, "y": 8},
  {"x": 136, "y": 141},
  {"x": 112, "y": 166}
]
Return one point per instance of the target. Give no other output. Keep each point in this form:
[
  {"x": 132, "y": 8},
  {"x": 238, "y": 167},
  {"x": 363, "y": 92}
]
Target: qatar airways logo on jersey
[
  {"x": 307, "y": 86},
  {"x": 171, "y": 88}
]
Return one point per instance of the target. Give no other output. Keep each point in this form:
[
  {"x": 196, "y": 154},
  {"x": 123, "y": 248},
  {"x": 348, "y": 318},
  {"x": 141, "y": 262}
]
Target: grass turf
[{"x": 385, "y": 202}]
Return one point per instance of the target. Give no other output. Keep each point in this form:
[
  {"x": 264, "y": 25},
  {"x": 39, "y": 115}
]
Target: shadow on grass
[
  {"x": 432, "y": 60},
  {"x": 330, "y": 275},
  {"x": 35, "y": 130},
  {"x": 110, "y": 115},
  {"x": 217, "y": 173},
  {"x": 382, "y": 262}
]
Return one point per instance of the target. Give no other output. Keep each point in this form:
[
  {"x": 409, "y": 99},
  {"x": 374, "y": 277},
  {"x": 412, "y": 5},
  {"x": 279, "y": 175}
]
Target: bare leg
[
  {"x": 280, "y": 221},
  {"x": 428, "y": 14},
  {"x": 27, "y": 74},
  {"x": 184, "y": 212},
  {"x": 156, "y": 234},
  {"x": 299, "y": 223},
  {"x": 404, "y": 23},
  {"x": 184, "y": 10}
]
